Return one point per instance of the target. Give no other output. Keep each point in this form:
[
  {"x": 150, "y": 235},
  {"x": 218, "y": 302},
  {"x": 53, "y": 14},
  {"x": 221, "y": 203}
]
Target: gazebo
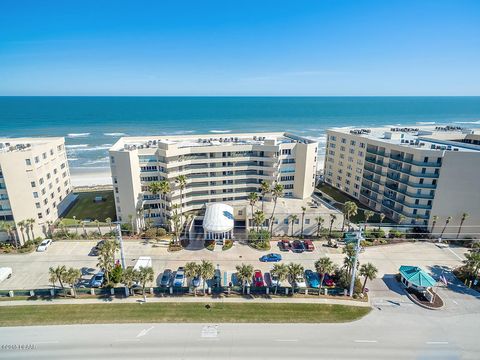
[
  {"x": 218, "y": 222},
  {"x": 415, "y": 278}
]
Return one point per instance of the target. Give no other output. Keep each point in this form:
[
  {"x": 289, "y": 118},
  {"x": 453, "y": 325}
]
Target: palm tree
[
  {"x": 207, "y": 270},
  {"x": 97, "y": 223},
  {"x": 165, "y": 189},
  {"x": 52, "y": 276},
  {"x": 349, "y": 260},
  {"x": 464, "y": 217},
  {"x": 258, "y": 219},
  {"x": 277, "y": 191},
  {"x": 320, "y": 220},
  {"x": 244, "y": 274},
  {"x": 472, "y": 263},
  {"x": 144, "y": 276},
  {"x": 30, "y": 224},
  {"x": 401, "y": 218},
  {"x": 128, "y": 277},
  {"x": 434, "y": 222},
  {"x": 447, "y": 221},
  {"x": 303, "y": 219},
  {"x": 252, "y": 200},
  {"x": 293, "y": 219},
  {"x": 281, "y": 272},
  {"x": 84, "y": 230},
  {"x": 106, "y": 259},
  {"x": 58, "y": 273},
  {"x": 368, "y": 214},
  {"x": 369, "y": 271},
  {"x": 382, "y": 217},
  {"x": 71, "y": 277},
  {"x": 294, "y": 272},
  {"x": 75, "y": 222},
  {"x": 333, "y": 218},
  {"x": 181, "y": 180},
  {"x": 9, "y": 228},
  {"x": 21, "y": 226},
  {"x": 349, "y": 209},
  {"x": 108, "y": 220},
  {"x": 324, "y": 266},
  {"x": 192, "y": 269},
  {"x": 264, "y": 190},
  {"x": 49, "y": 228}
]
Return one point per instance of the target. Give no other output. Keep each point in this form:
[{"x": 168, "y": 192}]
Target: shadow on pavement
[
  {"x": 393, "y": 284},
  {"x": 453, "y": 283}
]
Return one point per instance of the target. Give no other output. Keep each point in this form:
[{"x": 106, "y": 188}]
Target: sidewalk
[{"x": 199, "y": 299}]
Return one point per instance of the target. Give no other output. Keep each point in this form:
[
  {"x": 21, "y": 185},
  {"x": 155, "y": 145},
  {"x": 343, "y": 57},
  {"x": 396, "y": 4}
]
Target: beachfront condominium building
[
  {"x": 421, "y": 176},
  {"x": 218, "y": 168},
  {"x": 34, "y": 183}
]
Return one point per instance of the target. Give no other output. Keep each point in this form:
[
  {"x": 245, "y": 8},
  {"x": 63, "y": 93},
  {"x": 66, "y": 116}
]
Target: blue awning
[{"x": 416, "y": 276}]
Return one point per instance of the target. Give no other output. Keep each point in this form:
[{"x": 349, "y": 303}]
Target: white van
[
  {"x": 5, "y": 273},
  {"x": 143, "y": 261}
]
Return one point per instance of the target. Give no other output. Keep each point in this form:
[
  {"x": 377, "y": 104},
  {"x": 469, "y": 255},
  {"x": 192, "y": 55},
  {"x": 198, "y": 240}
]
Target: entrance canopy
[
  {"x": 218, "y": 218},
  {"x": 416, "y": 276}
]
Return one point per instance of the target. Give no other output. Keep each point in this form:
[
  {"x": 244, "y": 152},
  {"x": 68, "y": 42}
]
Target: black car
[
  {"x": 298, "y": 247},
  {"x": 97, "y": 248}
]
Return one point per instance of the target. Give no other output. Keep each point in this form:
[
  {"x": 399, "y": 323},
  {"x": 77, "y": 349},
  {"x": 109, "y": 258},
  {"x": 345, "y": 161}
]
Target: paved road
[{"x": 416, "y": 334}]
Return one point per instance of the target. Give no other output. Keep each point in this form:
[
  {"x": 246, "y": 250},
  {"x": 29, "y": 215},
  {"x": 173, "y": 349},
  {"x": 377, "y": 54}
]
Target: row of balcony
[
  {"x": 403, "y": 158},
  {"x": 409, "y": 183},
  {"x": 400, "y": 211},
  {"x": 412, "y": 173}
]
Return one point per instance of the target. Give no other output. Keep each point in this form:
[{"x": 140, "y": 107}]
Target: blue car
[
  {"x": 97, "y": 280},
  {"x": 312, "y": 278},
  {"x": 271, "y": 258}
]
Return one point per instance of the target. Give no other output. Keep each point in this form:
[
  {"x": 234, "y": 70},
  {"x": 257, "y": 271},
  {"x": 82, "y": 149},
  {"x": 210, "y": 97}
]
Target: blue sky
[{"x": 318, "y": 47}]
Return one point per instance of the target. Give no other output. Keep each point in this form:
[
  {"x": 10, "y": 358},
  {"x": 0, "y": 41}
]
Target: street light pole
[
  {"x": 120, "y": 240},
  {"x": 354, "y": 269}
]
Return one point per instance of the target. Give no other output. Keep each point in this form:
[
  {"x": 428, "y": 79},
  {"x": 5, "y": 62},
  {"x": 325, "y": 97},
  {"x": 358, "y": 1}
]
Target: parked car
[
  {"x": 166, "y": 277},
  {"x": 196, "y": 281},
  {"x": 217, "y": 278},
  {"x": 5, "y": 273},
  {"x": 258, "y": 278},
  {"x": 271, "y": 257},
  {"x": 308, "y": 244},
  {"x": 284, "y": 245},
  {"x": 97, "y": 248},
  {"x": 44, "y": 245},
  {"x": 299, "y": 281},
  {"x": 312, "y": 278},
  {"x": 328, "y": 281},
  {"x": 179, "y": 277},
  {"x": 275, "y": 281},
  {"x": 97, "y": 279},
  {"x": 297, "y": 246}
]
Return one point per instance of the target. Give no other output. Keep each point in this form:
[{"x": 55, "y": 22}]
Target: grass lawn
[
  {"x": 86, "y": 208},
  {"x": 178, "y": 312}
]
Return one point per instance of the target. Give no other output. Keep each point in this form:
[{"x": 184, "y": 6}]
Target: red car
[
  {"x": 308, "y": 245},
  {"x": 285, "y": 245},
  {"x": 258, "y": 278},
  {"x": 328, "y": 281}
]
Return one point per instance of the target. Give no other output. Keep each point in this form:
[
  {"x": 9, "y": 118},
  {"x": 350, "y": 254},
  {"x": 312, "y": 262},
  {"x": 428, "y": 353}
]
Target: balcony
[
  {"x": 371, "y": 188},
  {"x": 417, "y": 185},
  {"x": 415, "y": 162},
  {"x": 371, "y": 178},
  {"x": 378, "y": 172},
  {"x": 412, "y": 173},
  {"x": 407, "y": 193},
  {"x": 404, "y": 213},
  {"x": 374, "y": 161},
  {"x": 377, "y": 152}
]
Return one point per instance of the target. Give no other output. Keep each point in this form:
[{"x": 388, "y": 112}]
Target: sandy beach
[{"x": 90, "y": 176}]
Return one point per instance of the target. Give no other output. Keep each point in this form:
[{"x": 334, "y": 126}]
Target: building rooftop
[
  {"x": 425, "y": 137},
  {"x": 182, "y": 141},
  {"x": 417, "y": 276},
  {"x": 22, "y": 144}
]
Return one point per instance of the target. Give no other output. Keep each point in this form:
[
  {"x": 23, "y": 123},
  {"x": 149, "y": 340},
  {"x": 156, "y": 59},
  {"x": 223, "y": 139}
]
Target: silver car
[{"x": 166, "y": 278}]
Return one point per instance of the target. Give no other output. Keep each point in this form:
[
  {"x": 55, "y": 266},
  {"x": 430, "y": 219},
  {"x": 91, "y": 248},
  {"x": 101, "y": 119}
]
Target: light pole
[
  {"x": 354, "y": 269},
  {"x": 120, "y": 240}
]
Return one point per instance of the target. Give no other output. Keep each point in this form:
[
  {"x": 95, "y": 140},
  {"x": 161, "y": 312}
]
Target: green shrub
[
  {"x": 396, "y": 234},
  {"x": 210, "y": 244},
  {"x": 227, "y": 245},
  {"x": 161, "y": 232},
  {"x": 116, "y": 274},
  {"x": 151, "y": 233}
]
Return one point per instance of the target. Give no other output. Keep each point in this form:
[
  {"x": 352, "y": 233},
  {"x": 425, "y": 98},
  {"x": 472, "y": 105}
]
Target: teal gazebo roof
[{"x": 417, "y": 276}]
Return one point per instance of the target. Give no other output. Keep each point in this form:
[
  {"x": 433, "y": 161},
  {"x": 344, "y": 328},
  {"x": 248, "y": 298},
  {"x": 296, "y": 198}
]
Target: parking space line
[
  {"x": 366, "y": 341},
  {"x": 436, "y": 342},
  {"x": 286, "y": 340}
]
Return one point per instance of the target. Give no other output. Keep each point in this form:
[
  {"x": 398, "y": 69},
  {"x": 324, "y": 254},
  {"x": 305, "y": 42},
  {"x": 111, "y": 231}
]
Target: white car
[
  {"x": 299, "y": 282},
  {"x": 44, "y": 245},
  {"x": 5, "y": 273}
]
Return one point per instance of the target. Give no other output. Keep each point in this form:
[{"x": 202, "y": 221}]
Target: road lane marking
[
  {"x": 453, "y": 252},
  {"x": 144, "y": 332},
  {"x": 366, "y": 341},
  {"x": 209, "y": 331},
  {"x": 46, "y": 342},
  {"x": 126, "y": 340},
  {"x": 436, "y": 342},
  {"x": 456, "y": 303},
  {"x": 286, "y": 340}
]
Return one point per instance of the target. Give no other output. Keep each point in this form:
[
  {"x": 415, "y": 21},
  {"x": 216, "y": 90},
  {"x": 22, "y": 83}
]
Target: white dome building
[{"x": 218, "y": 222}]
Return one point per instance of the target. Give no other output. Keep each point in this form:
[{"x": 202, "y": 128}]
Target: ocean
[{"x": 91, "y": 125}]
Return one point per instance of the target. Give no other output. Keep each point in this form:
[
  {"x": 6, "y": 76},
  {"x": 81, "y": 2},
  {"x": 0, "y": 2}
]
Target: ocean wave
[
  {"x": 76, "y": 146},
  {"x": 220, "y": 131},
  {"x": 72, "y": 159},
  {"x": 425, "y": 122},
  {"x": 95, "y": 148},
  {"x": 467, "y": 122},
  {"x": 115, "y": 134},
  {"x": 77, "y": 135},
  {"x": 103, "y": 160}
]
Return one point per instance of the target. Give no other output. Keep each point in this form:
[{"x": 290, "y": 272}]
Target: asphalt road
[{"x": 390, "y": 333}]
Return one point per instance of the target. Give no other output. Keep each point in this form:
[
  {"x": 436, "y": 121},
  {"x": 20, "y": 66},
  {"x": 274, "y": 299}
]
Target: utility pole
[
  {"x": 354, "y": 269},
  {"x": 120, "y": 240}
]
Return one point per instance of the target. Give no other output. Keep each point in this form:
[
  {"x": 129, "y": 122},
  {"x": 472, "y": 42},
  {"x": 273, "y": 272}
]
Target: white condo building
[
  {"x": 34, "y": 182},
  {"x": 221, "y": 168},
  {"x": 416, "y": 175}
]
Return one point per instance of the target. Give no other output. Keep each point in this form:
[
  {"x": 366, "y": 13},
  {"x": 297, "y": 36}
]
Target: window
[
  {"x": 35, "y": 195},
  {"x": 307, "y": 221},
  {"x": 48, "y": 176},
  {"x": 33, "y": 184},
  {"x": 41, "y": 181},
  {"x": 285, "y": 221},
  {"x": 36, "y": 159},
  {"x": 44, "y": 155},
  {"x": 37, "y": 205},
  {"x": 40, "y": 215},
  {"x": 28, "y": 162},
  {"x": 51, "y": 152}
]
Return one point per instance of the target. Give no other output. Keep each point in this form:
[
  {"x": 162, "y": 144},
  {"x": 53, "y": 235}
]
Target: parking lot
[{"x": 30, "y": 271}]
